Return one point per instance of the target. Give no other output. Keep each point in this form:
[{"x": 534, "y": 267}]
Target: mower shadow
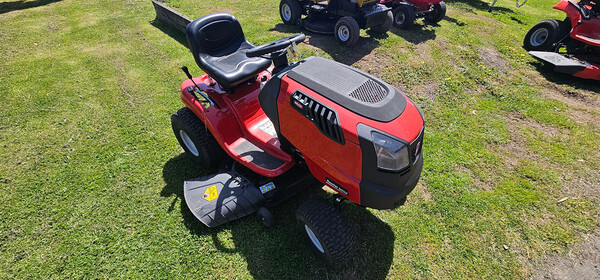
[
  {"x": 170, "y": 31},
  {"x": 416, "y": 35},
  {"x": 281, "y": 252},
  {"x": 565, "y": 79},
  {"x": 6, "y": 7},
  {"x": 346, "y": 55},
  {"x": 485, "y": 5}
]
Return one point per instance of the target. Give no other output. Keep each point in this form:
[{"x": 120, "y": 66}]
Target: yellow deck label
[{"x": 211, "y": 193}]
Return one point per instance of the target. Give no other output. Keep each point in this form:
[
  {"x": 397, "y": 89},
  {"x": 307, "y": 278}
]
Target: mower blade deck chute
[
  {"x": 561, "y": 63},
  {"x": 220, "y": 198}
]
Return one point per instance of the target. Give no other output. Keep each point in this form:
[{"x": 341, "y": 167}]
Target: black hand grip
[{"x": 186, "y": 71}]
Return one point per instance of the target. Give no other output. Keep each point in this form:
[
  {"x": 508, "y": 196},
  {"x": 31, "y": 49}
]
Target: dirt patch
[
  {"x": 487, "y": 186},
  {"x": 491, "y": 58},
  {"x": 583, "y": 262},
  {"x": 516, "y": 149},
  {"x": 577, "y": 98},
  {"x": 428, "y": 91}
]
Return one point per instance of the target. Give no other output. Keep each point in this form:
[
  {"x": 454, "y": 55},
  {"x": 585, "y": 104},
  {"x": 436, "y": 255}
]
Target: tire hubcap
[
  {"x": 343, "y": 33},
  {"x": 400, "y": 18},
  {"x": 286, "y": 12},
  {"x": 189, "y": 144},
  {"x": 539, "y": 37},
  {"x": 313, "y": 239}
]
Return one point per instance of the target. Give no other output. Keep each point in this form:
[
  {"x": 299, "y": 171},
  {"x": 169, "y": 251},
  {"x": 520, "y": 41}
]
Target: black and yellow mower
[{"x": 343, "y": 18}]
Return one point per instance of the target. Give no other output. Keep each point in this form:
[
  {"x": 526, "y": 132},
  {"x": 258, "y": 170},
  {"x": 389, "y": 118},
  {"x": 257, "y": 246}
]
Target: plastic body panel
[
  {"x": 238, "y": 119},
  {"x": 339, "y": 165},
  {"x": 588, "y": 31}
]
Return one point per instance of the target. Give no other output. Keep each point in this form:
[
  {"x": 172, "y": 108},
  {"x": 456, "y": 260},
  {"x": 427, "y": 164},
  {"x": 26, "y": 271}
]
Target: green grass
[{"x": 92, "y": 176}]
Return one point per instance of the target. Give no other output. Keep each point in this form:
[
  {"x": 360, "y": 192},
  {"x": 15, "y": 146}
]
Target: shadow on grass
[
  {"x": 327, "y": 43},
  {"x": 170, "y": 31},
  {"x": 547, "y": 71},
  {"x": 484, "y": 5},
  {"x": 281, "y": 252},
  {"x": 6, "y": 7},
  {"x": 415, "y": 34}
]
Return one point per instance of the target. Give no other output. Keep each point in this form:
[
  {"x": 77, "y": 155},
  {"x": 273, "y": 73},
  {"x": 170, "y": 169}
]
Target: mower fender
[{"x": 374, "y": 15}]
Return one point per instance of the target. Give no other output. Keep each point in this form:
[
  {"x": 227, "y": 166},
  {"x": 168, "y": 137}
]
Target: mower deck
[
  {"x": 568, "y": 65},
  {"x": 221, "y": 198}
]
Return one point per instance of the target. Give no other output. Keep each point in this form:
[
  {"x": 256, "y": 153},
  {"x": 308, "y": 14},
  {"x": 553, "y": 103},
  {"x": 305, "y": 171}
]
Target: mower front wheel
[
  {"x": 404, "y": 16},
  {"x": 437, "y": 13},
  {"x": 542, "y": 36},
  {"x": 327, "y": 232},
  {"x": 385, "y": 26},
  {"x": 347, "y": 31},
  {"x": 290, "y": 11},
  {"x": 195, "y": 139}
]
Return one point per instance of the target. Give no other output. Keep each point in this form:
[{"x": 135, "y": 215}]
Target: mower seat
[{"x": 219, "y": 48}]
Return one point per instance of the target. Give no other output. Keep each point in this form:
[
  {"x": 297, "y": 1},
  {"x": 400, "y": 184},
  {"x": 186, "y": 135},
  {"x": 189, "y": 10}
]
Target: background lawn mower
[
  {"x": 406, "y": 11},
  {"x": 572, "y": 46},
  {"x": 289, "y": 126},
  {"x": 343, "y": 18}
]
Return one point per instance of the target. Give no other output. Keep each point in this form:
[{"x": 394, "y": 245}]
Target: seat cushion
[
  {"x": 232, "y": 69},
  {"x": 219, "y": 48}
]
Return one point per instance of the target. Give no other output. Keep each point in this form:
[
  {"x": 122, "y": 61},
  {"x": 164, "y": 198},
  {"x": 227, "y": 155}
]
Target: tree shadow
[
  {"x": 170, "y": 31},
  {"x": 6, "y": 7},
  {"x": 281, "y": 252},
  {"x": 547, "y": 71}
]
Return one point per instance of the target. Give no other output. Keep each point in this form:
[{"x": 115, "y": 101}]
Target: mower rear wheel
[
  {"x": 542, "y": 36},
  {"x": 327, "y": 232},
  {"x": 347, "y": 31},
  {"x": 290, "y": 11},
  {"x": 195, "y": 139},
  {"x": 385, "y": 26},
  {"x": 437, "y": 13},
  {"x": 404, "y": 16},
  {"x": 266, "y": 217}
]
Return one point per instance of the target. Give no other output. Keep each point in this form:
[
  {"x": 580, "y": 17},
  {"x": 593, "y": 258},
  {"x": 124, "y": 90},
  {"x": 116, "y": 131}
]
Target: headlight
[{"x": 392, "y": 155}]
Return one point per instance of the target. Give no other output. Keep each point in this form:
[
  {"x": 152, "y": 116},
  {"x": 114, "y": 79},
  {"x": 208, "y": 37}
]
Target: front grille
[
  {"x": 416, "y": 147},
  {"x": 324, "y": 118},
  {"x": 369, "y": 92}
]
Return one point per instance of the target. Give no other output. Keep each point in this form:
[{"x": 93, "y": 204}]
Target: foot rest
[{"x": 220, "y": 198}]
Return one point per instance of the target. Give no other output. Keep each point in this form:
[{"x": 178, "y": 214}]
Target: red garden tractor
[
  {"x": 288, "y": 126},
  {"x": 343, "y": 18},
  {"x": 406, "y": 11},
  {"x": 572, "y": 46}
]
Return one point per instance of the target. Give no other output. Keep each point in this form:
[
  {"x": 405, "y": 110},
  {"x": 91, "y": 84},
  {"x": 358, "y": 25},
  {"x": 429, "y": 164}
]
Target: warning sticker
[
  {"x": 267, "y": 187},
  {"x": 267, "y": 127},
  {"x": 211, "y": 193}
]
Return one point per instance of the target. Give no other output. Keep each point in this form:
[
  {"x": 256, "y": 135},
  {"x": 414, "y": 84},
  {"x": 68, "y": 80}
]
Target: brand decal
[
  {"x": 418, "y": 149},
  {"x": 298, "y": 104},
  {"x": 336, "y": 186}
]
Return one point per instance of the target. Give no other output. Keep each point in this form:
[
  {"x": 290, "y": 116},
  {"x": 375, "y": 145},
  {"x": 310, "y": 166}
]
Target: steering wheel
[{"x": 274, "y": 46}]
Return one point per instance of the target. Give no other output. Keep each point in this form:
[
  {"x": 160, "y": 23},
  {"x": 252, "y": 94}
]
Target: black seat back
[{"x": 216, "y": 34}]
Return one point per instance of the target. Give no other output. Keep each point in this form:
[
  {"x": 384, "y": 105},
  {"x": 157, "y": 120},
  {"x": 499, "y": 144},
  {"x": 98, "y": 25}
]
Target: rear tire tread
[
  {"x": 331, "y": 230},
  {"x": 210, "y": 153}
]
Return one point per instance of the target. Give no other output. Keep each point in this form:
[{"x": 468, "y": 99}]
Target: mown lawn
[{"x": 92, "y": 176}]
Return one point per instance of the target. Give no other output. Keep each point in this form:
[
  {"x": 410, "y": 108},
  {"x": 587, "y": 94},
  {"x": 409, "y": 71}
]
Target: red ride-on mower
[
  {"x": 406, "y": 11},
  {"x": 287, "y": 126},
  {"x": 572, "y": 46},
  {"x": 343, "y": 18}
]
